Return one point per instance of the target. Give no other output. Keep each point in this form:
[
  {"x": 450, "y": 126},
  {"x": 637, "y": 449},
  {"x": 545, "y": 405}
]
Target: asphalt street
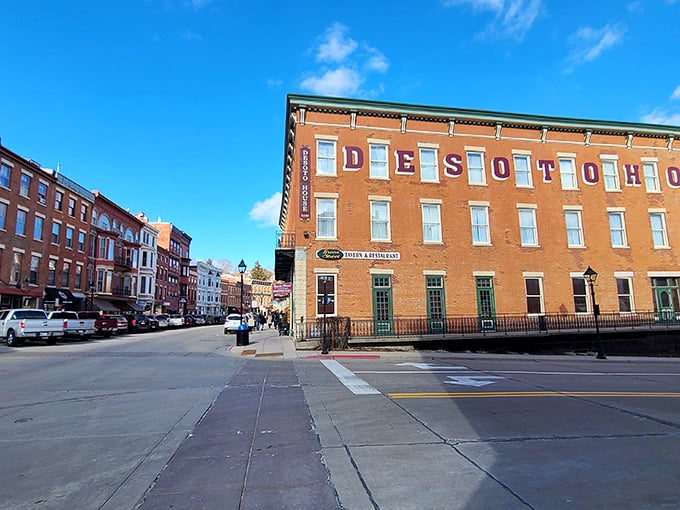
[{"x": 180, "y": 419}]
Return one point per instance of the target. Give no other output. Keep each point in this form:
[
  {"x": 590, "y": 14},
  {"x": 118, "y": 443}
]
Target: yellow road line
[{"x": 501, "y": 394}]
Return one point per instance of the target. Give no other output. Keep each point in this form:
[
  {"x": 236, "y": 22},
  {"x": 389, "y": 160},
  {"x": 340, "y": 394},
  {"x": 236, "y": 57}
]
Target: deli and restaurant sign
[{"x": 333, "y": 254}]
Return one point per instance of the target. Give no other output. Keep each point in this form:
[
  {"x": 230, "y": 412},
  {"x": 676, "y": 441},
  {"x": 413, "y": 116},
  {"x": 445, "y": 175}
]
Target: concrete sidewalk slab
[{"x": 255, "y": 448}]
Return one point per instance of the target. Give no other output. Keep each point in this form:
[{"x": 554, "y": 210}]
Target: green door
[
  {"x": 666, "y": 303},
  {"x": 486, "y": 304},
  {"x": 436, "y": 304},
  {"x": 382, "y": 305}
]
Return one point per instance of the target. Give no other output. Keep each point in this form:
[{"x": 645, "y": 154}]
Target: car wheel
[{"x": 12, "y": 339}]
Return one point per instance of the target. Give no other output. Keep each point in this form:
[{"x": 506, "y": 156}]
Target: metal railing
[
  {"x": 340, "y": 329},
  {"x": 285, "y": 241}
]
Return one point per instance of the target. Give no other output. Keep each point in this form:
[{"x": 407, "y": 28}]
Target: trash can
[{"x": 242, "y": 335}]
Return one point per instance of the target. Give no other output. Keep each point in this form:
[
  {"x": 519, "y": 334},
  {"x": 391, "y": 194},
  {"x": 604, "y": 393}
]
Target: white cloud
[
  {"x": 660, "y": 116},
  {"x": 346, "y": 64},
  {"x": 513, "y": 18},
  {"x": 592, "y": 42},
  {"x": 266, "y": 212},
  {"x": 336, "y": 82},
  {"x": 376, "y": 61},
  {"x": 336, "y": 46},
  {"x": 676, "y": 93}
]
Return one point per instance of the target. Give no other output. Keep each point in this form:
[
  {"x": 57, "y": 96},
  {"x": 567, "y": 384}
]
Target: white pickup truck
[
  {"x": 74, "y": 326},
  {"x": 19, "y": 324}
]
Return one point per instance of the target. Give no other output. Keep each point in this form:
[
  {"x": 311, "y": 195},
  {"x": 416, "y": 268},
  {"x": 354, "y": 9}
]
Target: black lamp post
[
  {"x": 324, "y": 339},
  {"x": 91, "y": 296},
  {"x": 591, "y": 276},
  {"x": 241, "y": 269}
]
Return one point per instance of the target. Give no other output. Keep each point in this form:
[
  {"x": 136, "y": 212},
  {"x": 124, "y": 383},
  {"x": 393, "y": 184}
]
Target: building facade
[
  {"x": 148, "y": 265},
  {"x": 114, "y": 246},
  {"x": 44, "y": 236},
  {"x": 208, "y": 289},
  {"x": 161, "y": 291},
  {"x": 177, "y": 243},
  {"x": 393, "y": 210}
]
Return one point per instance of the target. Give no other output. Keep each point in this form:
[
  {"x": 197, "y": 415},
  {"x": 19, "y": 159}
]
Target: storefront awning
[
  {"x": 104, "y": 306},
  {"x": 134, "y": 307},
  {"x": 78, "y": 295},
  {"x": 53, "y": 294}
]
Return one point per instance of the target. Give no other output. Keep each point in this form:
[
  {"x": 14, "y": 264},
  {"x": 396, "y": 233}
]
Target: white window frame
[
  {"x": 574, "y": 213},
  {"x": 322, "y": 160},
  {"x": 628, "y": 277},
  {"x": 525, "y": 211},
  {"x": 610, "y": 173},
  {"x": 378, "y": 164},
  {"x": 478, "y": 177},
  {"x": 567, "y": 166},
  {"x": 620, "y": 229},
  {"x": 663, "y": 231},
  {"x": 375, "y": 205},
  {"x": 432, "y": 232},
  {"x": 24, "y": 214},
  {"x": 429, "y": 172},
  {"x": 330, "y": 220},
  {"x": 521, "y": 156},
  {"x": 650, "y": 173},
  {"x": 540, "y": 295},
  {"x": 24, "y": 191},
  {"x": 482, "y": 207}
]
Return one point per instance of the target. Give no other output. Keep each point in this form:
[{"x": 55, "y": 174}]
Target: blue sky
[{"x": 176, "y": 107}]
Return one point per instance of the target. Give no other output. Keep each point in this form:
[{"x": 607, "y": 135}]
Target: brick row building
[
  {"x": 395, "y": 210},
  {"x": 62, "y": 246}
]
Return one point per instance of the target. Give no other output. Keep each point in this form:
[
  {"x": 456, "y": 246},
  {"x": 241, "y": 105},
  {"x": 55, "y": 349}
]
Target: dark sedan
[{"x": 138, "y": 323}]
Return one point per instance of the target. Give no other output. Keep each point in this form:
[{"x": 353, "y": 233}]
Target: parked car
[
  {"x": 189, "y": 320},
  {"x": 16, "y": 325},
  {"x": 175, "y": 321},
  {"x": 163, "y": 320},
  {"x": 232, "y": 323},
  {"x": 122, "y": 323},
  {"x": 138, "y": 323},
  {"x": 104, "y": 325},
  {"x": 153, "y": 322},
  {"x": 74, "y": 326},
  {"x": 199, "y": 320}
]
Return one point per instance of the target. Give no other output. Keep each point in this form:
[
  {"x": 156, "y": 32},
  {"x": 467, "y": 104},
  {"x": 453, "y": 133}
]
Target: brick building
[
  {"x": 44, "y": 236},
  {"x": 177, "y": 244},
  {"x": 114, "y": 246},
  {"x": 395, "y": 210}
]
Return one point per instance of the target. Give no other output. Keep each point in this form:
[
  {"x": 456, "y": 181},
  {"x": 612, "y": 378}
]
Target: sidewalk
[
  {"x": 264, "y": 344},
  {"x": 254, "y": 449}
]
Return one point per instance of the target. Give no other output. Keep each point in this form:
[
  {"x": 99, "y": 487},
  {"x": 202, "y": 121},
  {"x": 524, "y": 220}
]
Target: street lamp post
[
  {"x": 91, "y": 296},
  {"x": 241, "y": 269},
  {"x": 591, "y": 276},
  {"x": 324, "y": 340}
]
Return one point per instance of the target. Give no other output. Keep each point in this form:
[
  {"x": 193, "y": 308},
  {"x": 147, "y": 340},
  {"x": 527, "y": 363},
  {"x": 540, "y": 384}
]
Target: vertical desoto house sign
[{"x": 305, "y": 182}]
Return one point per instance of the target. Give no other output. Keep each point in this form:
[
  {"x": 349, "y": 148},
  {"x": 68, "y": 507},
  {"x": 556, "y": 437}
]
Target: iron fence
[{"x": 339, "y": 330}]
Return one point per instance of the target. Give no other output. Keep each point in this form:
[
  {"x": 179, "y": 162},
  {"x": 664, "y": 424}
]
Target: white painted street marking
[
  {"x": 428, "y": 366},
  {"x": 352, "y": 382},
  {"x": 473, "y": 380}
]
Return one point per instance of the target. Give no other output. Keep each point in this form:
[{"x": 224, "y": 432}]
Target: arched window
[
  {"x": 129, "y": 236},
  {"x": 103, "y": 222}
]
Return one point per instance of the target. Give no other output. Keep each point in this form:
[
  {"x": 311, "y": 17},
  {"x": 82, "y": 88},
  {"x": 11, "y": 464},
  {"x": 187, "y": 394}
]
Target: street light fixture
[
  {"x": 91, "y": 296},
  {"x": 241, "y": 269},
  {"x": 324, "y": 339},
  {"x": 591, "y": 277}
]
